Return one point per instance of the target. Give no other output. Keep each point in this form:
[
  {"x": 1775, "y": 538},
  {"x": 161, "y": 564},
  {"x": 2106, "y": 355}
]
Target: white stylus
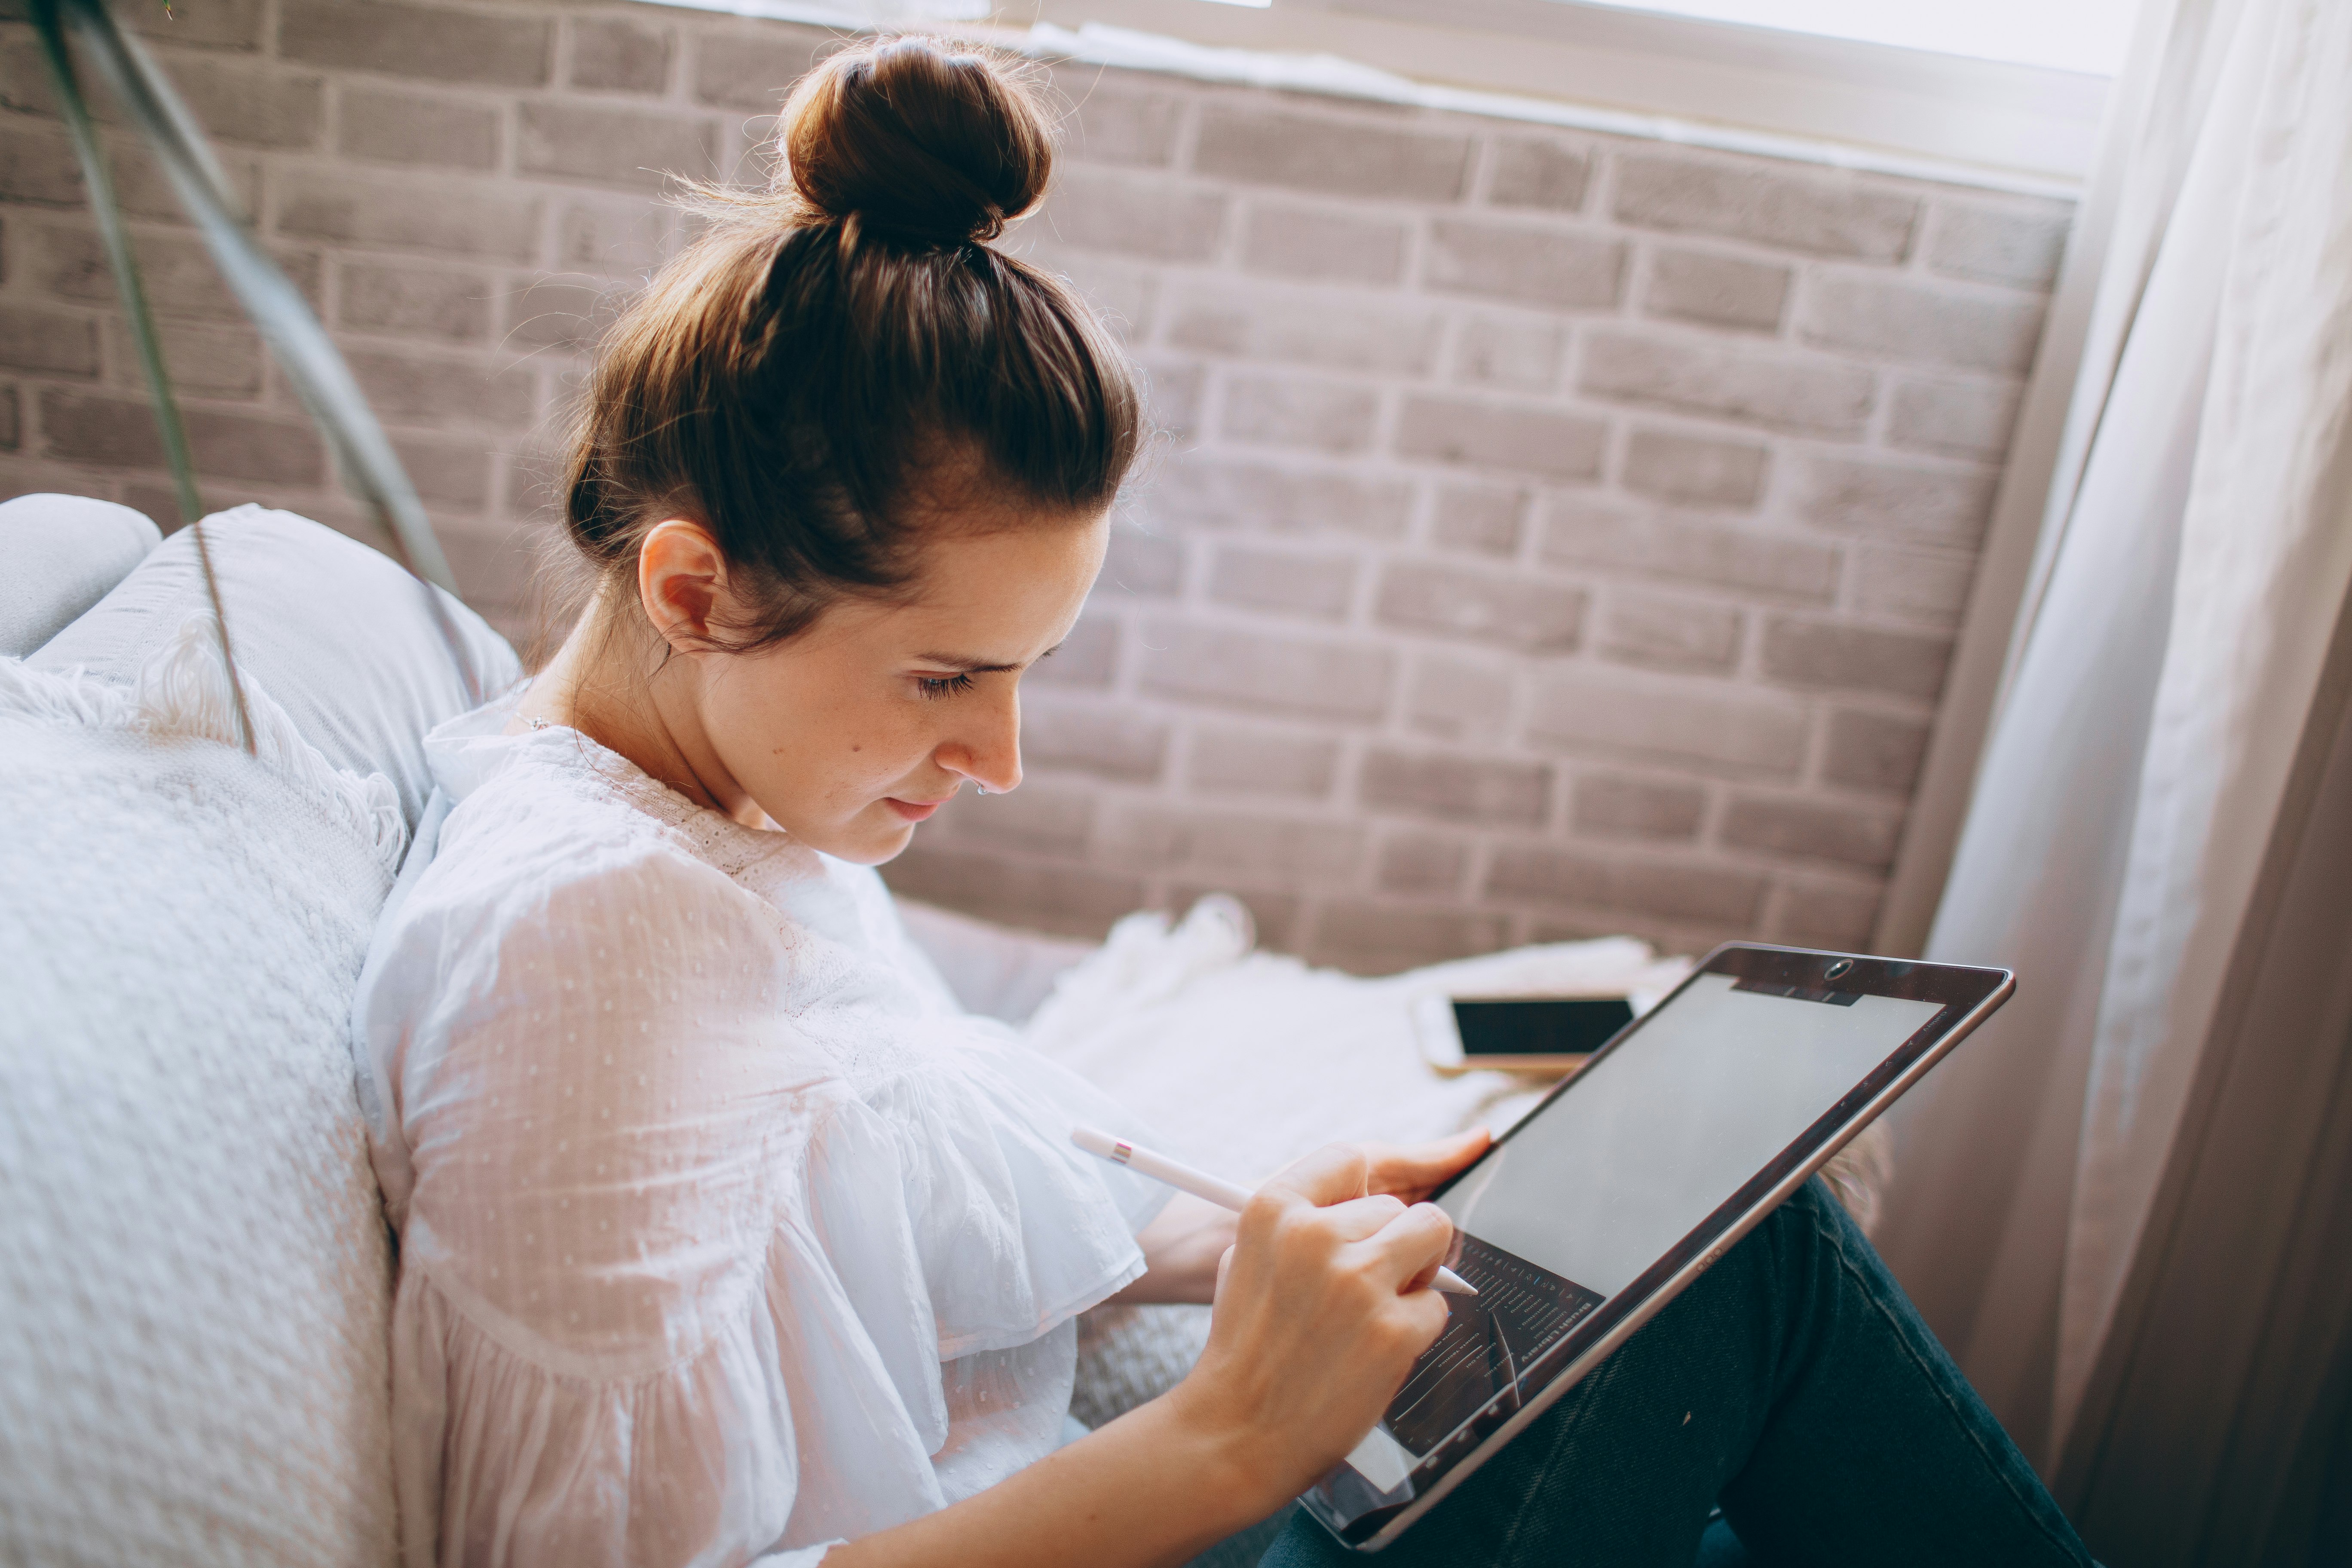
[{"x": 1201, "y": 1185}]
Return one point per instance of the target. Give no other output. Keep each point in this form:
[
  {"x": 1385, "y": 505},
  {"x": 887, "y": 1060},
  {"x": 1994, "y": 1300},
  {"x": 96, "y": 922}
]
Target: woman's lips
[{"x": 913, "y": 810}]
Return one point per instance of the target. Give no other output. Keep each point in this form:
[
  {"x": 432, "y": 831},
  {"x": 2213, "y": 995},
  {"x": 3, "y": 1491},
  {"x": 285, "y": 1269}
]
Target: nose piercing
[{"x": 982, "y": 788}]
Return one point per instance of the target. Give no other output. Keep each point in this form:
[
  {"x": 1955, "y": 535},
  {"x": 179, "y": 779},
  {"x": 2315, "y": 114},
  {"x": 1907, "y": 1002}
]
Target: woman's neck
[{"x": 613, "y": 684}]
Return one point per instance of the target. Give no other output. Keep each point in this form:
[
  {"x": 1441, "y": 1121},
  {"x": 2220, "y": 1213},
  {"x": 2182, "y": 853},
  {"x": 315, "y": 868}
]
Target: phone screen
[{"x": 1540, "y": 1025}]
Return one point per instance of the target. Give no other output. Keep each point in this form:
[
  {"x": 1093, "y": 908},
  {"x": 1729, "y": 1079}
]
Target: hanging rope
[
  {"x": 313, "y": 367},
  {"x": 103, "y": 207}
]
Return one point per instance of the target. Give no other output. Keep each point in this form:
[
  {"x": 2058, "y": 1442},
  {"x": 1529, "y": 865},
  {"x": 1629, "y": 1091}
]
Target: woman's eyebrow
[{"x": 964, "y": 666}]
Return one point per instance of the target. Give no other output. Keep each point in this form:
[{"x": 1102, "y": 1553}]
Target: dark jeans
[{"x": 1792, "y": 1385}]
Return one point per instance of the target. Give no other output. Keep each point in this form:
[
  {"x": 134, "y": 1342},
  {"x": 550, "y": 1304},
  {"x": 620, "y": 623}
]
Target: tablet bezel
[{"x": 1966, "y": 997}]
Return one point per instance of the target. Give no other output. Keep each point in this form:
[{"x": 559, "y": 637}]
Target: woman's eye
[{"x": 943, "y": 685}]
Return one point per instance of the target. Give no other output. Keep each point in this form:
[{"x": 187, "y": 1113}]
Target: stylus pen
[{"x": 1202, "y": 1185}]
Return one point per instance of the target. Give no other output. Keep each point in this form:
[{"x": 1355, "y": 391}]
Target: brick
[
  {"x": 1759, "y": 386},
  {"x": 410, "y": 127},
  {"x": 1610, "y": 805},
  {"x": 1308, "y": 329},
  {"x": 48, "y": 342},
  {"x": 1531, "y": 266},
  {"x": 1337, "y": 157},
  {"x": 1718, "y": 290},
  {"x": 1274, "y": 501},
  {"x": 1089, "y": 657},
  {"x": 1505, "y": 608},
  {"x": 1372, "y": 939},
  {"x": 1529, "y": 173},
  {"x": 1934, "y": 506},
  {"x": 1050, "y": 816},
  {"x": 1808, "y": 830},
  {"x": 616, "y": 55},
  {"x": 214, "y": 361},
  {"x": 422, "y": 302},
  {"x": 1142, "y": 565},
  {"x": 1539, "y": 873},
  {"x": 620, "y": 147},
  {"x": 1264, "y": 846},
  {"x": 1875, "y": 750},
  {"x": 1319, "y": 587},
  {"x": 1418, "y": 863},
  {"x": 559, "y": 313},
  {"x": 12, "y": 420},
  {"x": 1522, "y": 354},
  {"x": 1711, "y": 727},
  {"x": 227, "y": 24},
  {"x": 1263, "y": 761},
  {"x": 495, "y": 566},
  {"x": 409, "y": 389},
  {"x": 1097, "y": 210},
  {"x": 1173, "y": 396},
  {"x": 1923, "y": 324},
  {"x": 1124, "y": 294},
  {"x": 1321, "y": 415},
  {"x": 1451, "y": 788},
  {"x": 1222, "y": 666},
  {"x": 1479, "y": 517},
  {"x": 1959, "y": 418},
  {"x": 120, "y": 432},
  {"x": 1692, "y": 551},
  {"x": 2016, "y": 246},
  {"x": 1456, "y": 700},
  {"x": 1834, "y": 916},
  {"x": 1671, "y": 634},
  {"x": 260, "y": 106},
  {"x": 1501, "y": 435},
  {"x": 1854, "y": 659},
  {"x": 417, "y": 40},
  {"x": 1820, "y": 215},
  {"x": 1324, "y": 245},
  {"x": 455, "y": 472},
  {"x": 613, "y": 236},
  {"x": 37, "y": 165},
  {"x": 1134, "y": 129},
  {"x": 1064, "y": 900},
  {"x": 1675, "y": 466},
  {"x": 755, "y": 70},
  {"x": 143, "y": 191},
  {"x": 484, "y": 220},
  {"x": 1913, "y": 586}
]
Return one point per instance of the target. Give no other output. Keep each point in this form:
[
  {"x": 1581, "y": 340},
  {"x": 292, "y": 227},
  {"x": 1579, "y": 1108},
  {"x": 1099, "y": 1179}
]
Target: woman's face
[{"x": 863, "y": 725}]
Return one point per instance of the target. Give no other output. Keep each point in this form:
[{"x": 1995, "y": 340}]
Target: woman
[{"x": 724, "y": 1233}]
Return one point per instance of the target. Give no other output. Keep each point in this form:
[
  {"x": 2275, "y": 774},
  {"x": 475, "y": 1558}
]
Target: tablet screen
[{"x": 1613, "y": 1174}]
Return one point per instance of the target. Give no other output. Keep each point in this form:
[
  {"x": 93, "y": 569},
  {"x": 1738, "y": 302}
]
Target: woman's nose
[{"x": 989, "y": 752}]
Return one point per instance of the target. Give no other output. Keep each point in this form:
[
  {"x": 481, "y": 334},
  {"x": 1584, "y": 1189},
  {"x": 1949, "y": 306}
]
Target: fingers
[
  {"x": 1332, "y": 1174},
  {"x": 1409, "y": 1247},
  {"x": 1412, "y": 1170}
]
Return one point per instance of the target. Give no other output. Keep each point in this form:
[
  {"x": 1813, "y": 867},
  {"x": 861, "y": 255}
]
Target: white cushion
[
  {"x": 63, "y": 553},
  {"x": 341, "y": 634},
  {"x": 195, "y": 1272}
]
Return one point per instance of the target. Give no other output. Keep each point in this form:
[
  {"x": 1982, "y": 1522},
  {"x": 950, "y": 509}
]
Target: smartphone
[{"x": 1516, "y": 1033}]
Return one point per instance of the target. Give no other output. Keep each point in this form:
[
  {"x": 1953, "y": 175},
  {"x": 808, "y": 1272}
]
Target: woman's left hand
[{"x": 1183, "y": 1246}]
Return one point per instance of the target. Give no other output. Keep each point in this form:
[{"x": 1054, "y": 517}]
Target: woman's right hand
[{"x": 1321, "y": 1307}]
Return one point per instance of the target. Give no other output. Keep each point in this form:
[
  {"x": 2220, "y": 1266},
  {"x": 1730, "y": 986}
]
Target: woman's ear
[{"x": 682, "y": 583}]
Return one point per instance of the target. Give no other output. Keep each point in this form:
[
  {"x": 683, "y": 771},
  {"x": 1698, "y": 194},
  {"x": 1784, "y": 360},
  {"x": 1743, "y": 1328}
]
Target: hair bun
[{"x": 931, "y": 145}]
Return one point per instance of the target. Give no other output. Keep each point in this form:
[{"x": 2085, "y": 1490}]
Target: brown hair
[{"x": 837, "y": 359}]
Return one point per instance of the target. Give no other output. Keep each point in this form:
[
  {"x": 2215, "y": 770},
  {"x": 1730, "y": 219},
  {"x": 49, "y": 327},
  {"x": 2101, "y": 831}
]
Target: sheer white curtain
[{"x": 2166, "y": 665}]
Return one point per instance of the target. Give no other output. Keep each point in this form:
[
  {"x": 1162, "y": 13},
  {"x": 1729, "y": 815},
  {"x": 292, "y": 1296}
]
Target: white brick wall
[{"x": 1557, "y": 534}]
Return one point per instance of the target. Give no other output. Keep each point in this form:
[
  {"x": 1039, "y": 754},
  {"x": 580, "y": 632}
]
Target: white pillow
[
  {"x": 339, "y": 633},
  {"x": 63, "y": 553},
  {"x": 195, "y": 1272}
]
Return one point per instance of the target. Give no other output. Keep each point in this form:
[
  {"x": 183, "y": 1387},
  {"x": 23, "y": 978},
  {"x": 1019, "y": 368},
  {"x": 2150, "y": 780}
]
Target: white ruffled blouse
[{"x": 724, "y": 1233}]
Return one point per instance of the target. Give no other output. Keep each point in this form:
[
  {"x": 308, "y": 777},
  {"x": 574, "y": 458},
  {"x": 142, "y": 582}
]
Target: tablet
[{"x": 1680, "y": 1134}]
